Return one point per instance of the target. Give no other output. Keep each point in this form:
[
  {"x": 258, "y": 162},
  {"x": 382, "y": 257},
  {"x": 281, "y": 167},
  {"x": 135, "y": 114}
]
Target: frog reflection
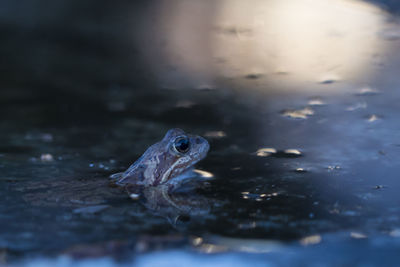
[
  {"x": 176, "y": 207},
  {"x": 166, "y": 162}
]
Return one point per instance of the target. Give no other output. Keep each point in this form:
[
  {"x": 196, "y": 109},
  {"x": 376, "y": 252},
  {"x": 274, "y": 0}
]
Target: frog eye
[{"x": 181, "y": 144}]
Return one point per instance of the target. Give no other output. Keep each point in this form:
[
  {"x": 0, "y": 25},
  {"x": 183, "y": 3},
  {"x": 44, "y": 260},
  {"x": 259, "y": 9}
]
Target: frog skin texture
[{"x": 165, "y": 162}]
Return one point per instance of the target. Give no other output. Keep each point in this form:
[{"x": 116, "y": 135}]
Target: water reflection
[
  {"x": 276, "y": 41},
  {"x": 175, "y": 206}
]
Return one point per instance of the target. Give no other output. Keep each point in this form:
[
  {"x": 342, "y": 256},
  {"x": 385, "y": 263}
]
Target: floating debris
[
  {"x": 196, "y": 241},
  {"x": 331, "y": 168},
  {"x": 215, "y": 134},
  {"x": 329, "y": 79},
  {"x": 287, "y": 153},
  {"x": 367, "y": 91},
  {"x": 295, "y": 152},
  {"x": 373, "y": 118},
  {"x": 253, "y": 76},
  {"x": 303, "y": 113},
  {"x": 266, "y": 152},
  {"x": 300, "y": 170},
  {"x": 204, "y": 174},
  {"x": 316, "y": 101},
  {"x": 46, "y": 157},
  {"x": 358, "y": 235},
  {"x": 134, "y": 196},
  {"x": 311, "y": 240}
]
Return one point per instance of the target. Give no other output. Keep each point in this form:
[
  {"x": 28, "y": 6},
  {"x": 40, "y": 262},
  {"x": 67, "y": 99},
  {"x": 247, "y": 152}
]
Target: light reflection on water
[{"x": 273, "y": 42}]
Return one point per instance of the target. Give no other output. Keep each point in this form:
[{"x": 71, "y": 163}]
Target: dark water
[{"x": 304, "y": 163}]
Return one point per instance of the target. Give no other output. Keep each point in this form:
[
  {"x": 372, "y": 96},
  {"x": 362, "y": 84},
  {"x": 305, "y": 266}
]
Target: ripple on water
[
  {"x": 303, "y": 113},
  {"x": 356, "y": 106}
]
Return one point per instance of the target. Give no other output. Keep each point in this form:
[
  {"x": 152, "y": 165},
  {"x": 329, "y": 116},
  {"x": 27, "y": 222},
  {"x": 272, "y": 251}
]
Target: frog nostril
[{"x": 198, "y": 140}]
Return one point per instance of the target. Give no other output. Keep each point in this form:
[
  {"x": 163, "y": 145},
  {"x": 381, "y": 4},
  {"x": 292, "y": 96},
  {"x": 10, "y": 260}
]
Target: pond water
[{"x": 304, "y": 135}]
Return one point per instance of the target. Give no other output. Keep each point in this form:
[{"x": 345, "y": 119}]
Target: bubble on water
[
  {"x": 373, "y": 117},
  {"x": 265, "y": 152},
  {"x": 46, "y": 157},
  {"x": 316, "y": 101},
  {"x": 367, "y": 91},
  {"x": 215, "y": 134},
  {"x": 359, "y": 105},
  {"x": 303, "y": 113}
]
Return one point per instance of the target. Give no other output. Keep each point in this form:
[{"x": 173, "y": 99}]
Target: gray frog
[{"x": 164, "y": 163}]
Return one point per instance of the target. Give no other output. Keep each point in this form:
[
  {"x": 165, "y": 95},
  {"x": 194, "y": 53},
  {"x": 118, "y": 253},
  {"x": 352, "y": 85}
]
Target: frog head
[
  {"x": 175, "y": 154},
  {"x": 181, "y": 152}
]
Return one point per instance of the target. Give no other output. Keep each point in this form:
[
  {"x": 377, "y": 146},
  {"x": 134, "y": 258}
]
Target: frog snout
[{"x": 200, "y": 140}]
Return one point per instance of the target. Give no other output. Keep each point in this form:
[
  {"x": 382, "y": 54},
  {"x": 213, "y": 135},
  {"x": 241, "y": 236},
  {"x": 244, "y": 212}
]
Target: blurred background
[{"x": 298, "y": 99}]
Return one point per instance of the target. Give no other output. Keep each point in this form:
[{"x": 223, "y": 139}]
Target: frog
[{"x": 167, "y": 162}]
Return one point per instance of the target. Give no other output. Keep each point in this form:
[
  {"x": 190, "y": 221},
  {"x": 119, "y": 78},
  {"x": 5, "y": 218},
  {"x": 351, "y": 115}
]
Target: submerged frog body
[{"x": 174, "y": 156}]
